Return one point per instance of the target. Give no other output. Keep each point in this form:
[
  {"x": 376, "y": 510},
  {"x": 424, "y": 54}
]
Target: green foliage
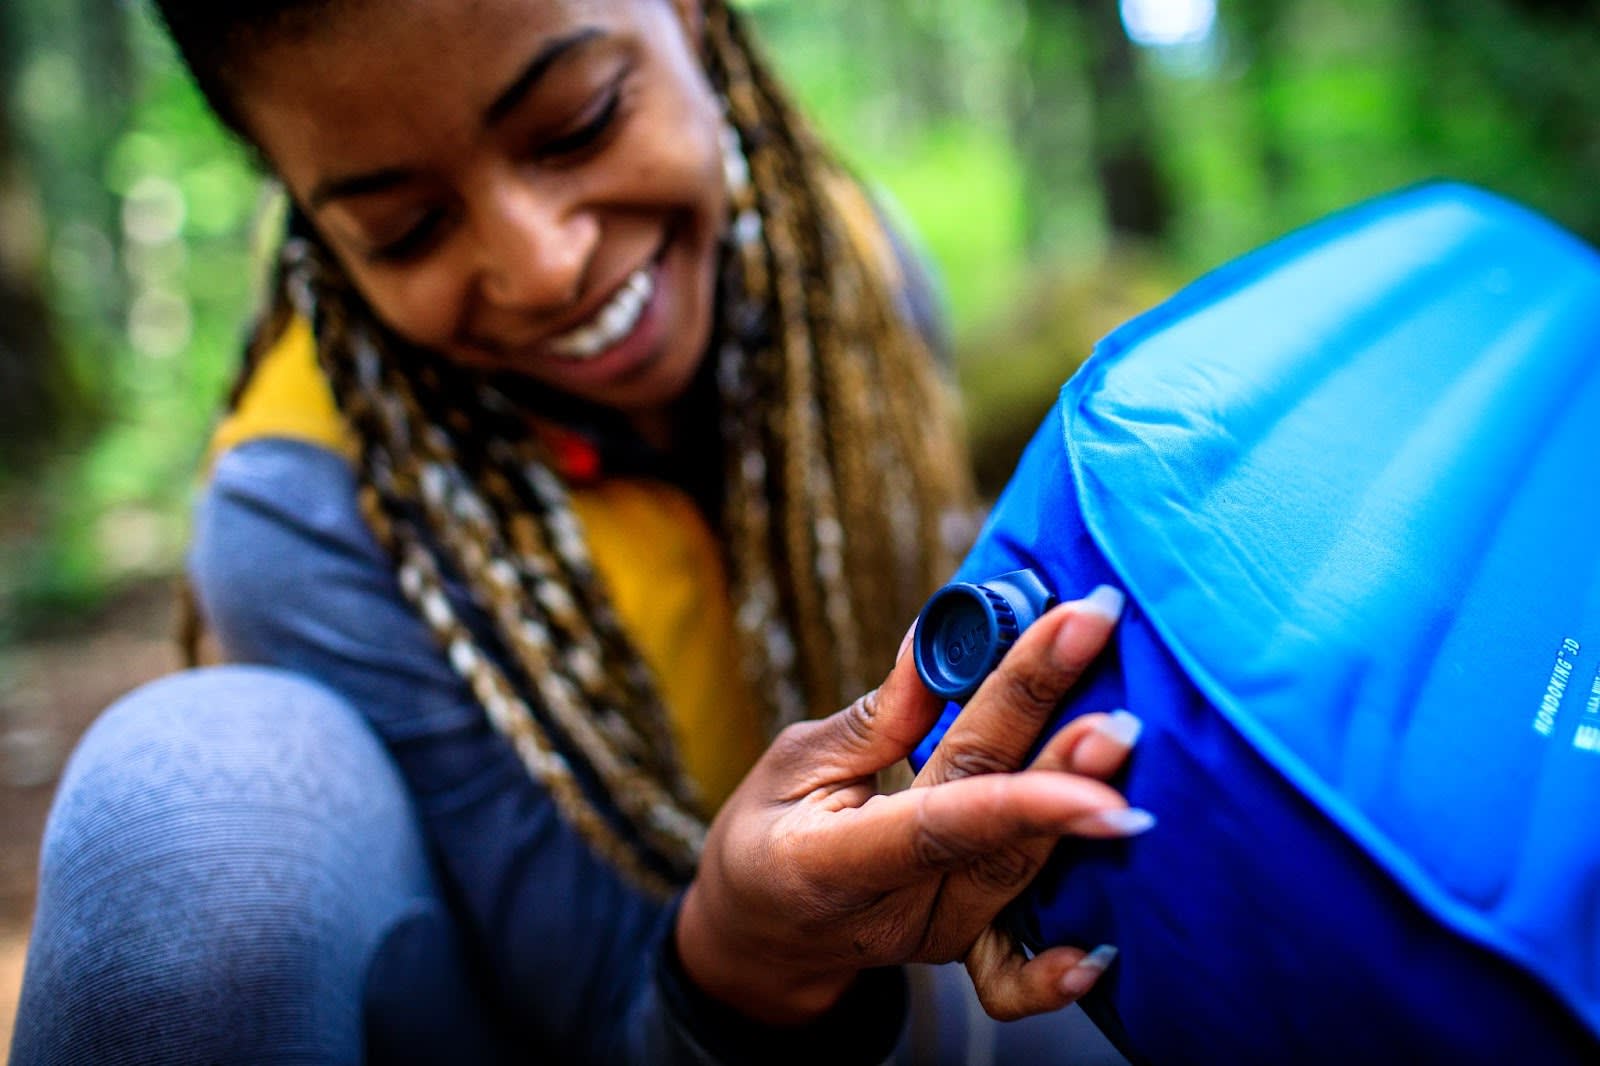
[{"x": 150, "y": 270}]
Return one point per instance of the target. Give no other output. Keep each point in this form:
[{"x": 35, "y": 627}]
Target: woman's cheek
[{"x": 423, "y": 307}]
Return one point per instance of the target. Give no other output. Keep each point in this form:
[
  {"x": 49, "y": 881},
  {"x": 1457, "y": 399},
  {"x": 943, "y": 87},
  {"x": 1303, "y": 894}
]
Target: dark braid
[{"x": 843, "y": 467}]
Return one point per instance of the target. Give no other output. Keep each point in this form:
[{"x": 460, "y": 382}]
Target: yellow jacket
[{"x": 651, "y": 546}]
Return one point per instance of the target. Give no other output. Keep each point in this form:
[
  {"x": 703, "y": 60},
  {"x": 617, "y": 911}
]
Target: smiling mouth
[{"x": 611, "y": 323}]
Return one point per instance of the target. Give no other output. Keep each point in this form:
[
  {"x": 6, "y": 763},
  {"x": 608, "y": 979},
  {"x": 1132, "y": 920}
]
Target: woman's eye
[
  {"x": 414, "y": 241},
  {"x": 586, "y": 135}
]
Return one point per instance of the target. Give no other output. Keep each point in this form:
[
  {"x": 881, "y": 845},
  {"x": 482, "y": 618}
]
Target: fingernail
[
  {"x": 905, "y": 642},
  {"x": 1123, "y": 727},
  {"x": 1117, "y": 822},
  {"x": 1100, "y": 959},
  {"x": 1105, "y": 601},
  {"x": 1078, "y": 980}
]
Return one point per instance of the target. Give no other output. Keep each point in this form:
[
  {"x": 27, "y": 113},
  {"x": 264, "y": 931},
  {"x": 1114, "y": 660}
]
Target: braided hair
[{"x": 842, "y": 473}]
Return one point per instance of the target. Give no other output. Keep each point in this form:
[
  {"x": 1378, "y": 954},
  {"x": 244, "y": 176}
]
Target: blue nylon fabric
[{"x": 1347, "y": 483}]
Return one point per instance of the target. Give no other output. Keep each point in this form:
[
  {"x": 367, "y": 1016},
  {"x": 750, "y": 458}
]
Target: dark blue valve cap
[{"x": 966, "y": 628}]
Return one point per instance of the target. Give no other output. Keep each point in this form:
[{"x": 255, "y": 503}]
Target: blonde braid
[
  {"x": 842, "y": 465},
  {"x": 838, "y": 347}
]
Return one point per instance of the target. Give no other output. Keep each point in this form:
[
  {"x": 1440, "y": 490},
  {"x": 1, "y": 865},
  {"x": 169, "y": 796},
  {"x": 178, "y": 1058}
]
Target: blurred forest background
[{"x": 1066, "y": 163}]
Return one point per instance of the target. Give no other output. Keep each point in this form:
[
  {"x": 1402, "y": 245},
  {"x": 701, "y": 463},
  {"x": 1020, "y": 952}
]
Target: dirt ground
[{"x": 50, "y": 690}]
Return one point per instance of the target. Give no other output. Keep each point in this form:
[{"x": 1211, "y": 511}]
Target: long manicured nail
[
  {"x": 905, "y": 642},
  {"x": 1078, "y": 980},
  {"x": 1105, "y": 601},
  {"x": 1117, "y": 822},
  {"x": 1123, "y": 727}
]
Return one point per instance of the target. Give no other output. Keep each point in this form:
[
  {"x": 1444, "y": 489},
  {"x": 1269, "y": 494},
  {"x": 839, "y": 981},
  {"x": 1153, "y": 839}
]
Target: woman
[{"x": 567, "y": 287}]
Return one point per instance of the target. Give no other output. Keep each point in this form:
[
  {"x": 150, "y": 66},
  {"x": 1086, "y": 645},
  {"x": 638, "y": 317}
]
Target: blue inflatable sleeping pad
[{"x": 1349, "y": 484}]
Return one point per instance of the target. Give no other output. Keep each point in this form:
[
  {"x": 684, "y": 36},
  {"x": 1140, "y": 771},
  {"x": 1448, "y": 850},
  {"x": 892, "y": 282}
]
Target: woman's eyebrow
[
  {"x": 535, "y": 69},
  {"x": 513, "y": 94},
  {"x": 357, "y": 185}
]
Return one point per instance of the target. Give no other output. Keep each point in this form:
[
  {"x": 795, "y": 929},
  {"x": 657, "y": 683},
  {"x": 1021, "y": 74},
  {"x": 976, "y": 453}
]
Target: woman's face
[{"x": 524, "y": 185}]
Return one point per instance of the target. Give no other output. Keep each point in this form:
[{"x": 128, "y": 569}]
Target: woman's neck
[{"x": 655, "y": 428}]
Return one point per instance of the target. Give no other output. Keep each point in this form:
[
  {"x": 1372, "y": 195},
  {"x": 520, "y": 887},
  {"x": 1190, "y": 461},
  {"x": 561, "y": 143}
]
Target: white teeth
[{"x": 611, "y": 323}]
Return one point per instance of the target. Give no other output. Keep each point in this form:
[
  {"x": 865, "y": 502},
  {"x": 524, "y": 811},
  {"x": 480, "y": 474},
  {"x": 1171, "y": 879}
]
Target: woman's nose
[{"x": 535, "y": 252}]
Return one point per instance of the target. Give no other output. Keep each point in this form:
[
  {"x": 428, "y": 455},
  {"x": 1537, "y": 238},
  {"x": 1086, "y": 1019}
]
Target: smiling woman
[
  {"x": 591, "y": 442},
  {"x": 555, "y": 213}
]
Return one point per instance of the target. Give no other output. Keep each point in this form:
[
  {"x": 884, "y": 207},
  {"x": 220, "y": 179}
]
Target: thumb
[{"x": 883, "y": 726}]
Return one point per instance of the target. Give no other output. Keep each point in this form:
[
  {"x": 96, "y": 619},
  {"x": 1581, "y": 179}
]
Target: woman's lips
[
  {"x": 604, "y": 355},
  {"x": 623, "y": 346},
  {"x": 613, "y": 322}
]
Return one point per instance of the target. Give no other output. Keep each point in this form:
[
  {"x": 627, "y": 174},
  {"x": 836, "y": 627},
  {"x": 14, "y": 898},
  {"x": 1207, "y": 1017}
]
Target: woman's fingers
[
  {"x": 1095, "y": 745},
  {"x": 972, "y": 825},
  {"x": 877, "y": 730},
  {"x": 995, "y": 731},
  {"x": 1001, "y": 723},
  {"x": 1010, "y": 985}
]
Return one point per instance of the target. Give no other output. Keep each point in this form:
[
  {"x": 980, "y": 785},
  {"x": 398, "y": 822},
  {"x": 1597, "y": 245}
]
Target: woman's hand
[{"x": 809, "y": 875}]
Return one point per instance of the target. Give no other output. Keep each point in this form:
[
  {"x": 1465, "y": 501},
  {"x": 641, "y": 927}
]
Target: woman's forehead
[
  {"x": 378, "y": 33},
  {"x": 375, "y": 75}
]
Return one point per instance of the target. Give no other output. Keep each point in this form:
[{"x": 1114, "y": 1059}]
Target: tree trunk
[
  {"x": 1256, "y": 26},
  {"x": 1137, "y": 200},
  {"x": 1046, "y": 135},
  {"x": 30, "y": 373}
]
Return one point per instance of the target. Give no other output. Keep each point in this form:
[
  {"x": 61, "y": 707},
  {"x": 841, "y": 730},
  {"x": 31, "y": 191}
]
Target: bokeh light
[{"x": 1166, "y": 23}]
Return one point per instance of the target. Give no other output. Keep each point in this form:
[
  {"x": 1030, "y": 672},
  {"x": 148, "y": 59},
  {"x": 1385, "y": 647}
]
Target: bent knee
[
  {"x": 236, "y": 788},
  {"x": 240, "y": 740},
  {"x": 223, "y": 717},
  {"x": 227, "y": 832}
]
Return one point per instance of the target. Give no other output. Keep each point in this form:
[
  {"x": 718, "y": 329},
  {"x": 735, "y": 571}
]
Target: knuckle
[
  {"x": 1003, "y": 869},
  {"x": 860, "y": 720},
  {"x": 933, "y": 848},
  {"x": 793, "y": 743},
  {"x": 1031, "y": 692},
  {"x": 999, "y": 1001},
  {"x": 975, "y": 762},
  {"x": 886, "y": 937}
]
